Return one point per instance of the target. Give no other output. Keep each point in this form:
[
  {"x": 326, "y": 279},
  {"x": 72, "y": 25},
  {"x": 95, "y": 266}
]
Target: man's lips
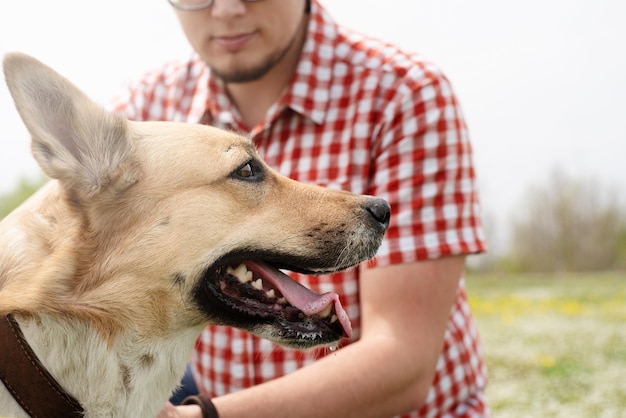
[{"x": 233, "y": 42}]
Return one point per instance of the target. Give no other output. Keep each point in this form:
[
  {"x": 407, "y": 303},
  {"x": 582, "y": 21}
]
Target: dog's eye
[
  {"x": 245, "y": 171},
  {"x": 251, "y": 171}
]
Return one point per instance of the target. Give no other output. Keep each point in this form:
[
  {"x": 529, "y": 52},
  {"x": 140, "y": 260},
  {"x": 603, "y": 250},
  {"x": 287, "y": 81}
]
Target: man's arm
[{"x": 405, "y": 310}]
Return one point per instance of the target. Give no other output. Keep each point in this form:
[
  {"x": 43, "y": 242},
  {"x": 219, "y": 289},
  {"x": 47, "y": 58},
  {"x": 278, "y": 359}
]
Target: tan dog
[{"x": 149, "y": 232}]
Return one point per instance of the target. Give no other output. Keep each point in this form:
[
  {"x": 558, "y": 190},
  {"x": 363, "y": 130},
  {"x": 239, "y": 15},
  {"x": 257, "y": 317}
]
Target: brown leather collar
[{"x": 28, "y": 381}]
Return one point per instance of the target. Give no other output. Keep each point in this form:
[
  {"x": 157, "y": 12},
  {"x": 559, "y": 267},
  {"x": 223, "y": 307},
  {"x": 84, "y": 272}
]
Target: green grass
[{"x": 555, "y": 346}]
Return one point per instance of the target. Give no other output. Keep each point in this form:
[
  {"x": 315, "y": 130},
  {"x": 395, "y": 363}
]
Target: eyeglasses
[{"x": 190, "y": 5}]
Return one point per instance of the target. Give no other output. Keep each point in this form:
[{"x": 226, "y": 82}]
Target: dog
[{"x": 149, "y": 231}]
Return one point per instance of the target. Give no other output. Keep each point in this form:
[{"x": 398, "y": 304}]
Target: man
[{"x": 326, "y": 105}]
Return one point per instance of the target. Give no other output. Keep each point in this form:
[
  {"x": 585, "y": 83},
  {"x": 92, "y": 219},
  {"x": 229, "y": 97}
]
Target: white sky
[{"x": 542, "y": 83}]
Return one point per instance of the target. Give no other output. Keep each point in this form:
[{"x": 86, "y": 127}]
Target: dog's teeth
[
  {"x": 282, "y": 301},
  {"x": 326, "y": 311},
  {"x": 240, "y": 272},
  {"x": 271, "y": 294},
  {"x": 258, "y": 284},
  {"x": 333, "y": 319}
]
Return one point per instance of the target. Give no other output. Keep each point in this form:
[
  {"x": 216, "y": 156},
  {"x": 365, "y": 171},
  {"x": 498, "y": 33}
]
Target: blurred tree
[
  {"x": 23, "y": 190},
  {"x": 569, "y": 225}
]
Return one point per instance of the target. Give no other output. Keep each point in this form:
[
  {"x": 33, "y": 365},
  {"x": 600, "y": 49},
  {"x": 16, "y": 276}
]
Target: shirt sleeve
[
  {"x": 157, "y": 95},
  {"x": 137, "y": 101},
  {"x": 424, "y": 167}
]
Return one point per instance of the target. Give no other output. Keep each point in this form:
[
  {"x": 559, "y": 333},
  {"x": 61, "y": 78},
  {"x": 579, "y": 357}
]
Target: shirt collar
[{"x": 308, "y": 92}]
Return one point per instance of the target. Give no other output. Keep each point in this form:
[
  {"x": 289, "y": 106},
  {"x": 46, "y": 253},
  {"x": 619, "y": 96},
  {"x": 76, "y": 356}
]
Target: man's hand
[{"x": 183, "y": 411}]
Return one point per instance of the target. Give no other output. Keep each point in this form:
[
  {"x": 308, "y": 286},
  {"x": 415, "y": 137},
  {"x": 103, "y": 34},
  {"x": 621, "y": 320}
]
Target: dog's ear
[{"x": 73, "y": 139}]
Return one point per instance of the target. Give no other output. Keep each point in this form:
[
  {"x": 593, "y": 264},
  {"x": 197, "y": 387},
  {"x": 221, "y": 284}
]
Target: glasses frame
[{"x": 206, "y": 4}]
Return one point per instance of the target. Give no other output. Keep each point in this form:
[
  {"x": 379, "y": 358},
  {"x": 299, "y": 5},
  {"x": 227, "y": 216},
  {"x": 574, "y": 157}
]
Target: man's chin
[{"x": 240, "y": 74}]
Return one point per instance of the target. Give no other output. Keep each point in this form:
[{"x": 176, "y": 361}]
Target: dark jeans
[{"x": 187, "y": 388}]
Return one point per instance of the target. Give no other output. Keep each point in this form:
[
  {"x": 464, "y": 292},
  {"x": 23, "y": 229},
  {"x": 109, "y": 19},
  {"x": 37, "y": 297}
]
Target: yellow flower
[{"x": 546, "y": 361}]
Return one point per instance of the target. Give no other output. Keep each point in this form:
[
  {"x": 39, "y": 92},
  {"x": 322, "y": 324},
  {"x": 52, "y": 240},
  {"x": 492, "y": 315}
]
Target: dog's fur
[{"x": 108, "y": 268}]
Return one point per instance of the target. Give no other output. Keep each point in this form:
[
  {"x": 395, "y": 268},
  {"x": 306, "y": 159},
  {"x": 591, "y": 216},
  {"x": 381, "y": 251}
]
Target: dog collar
[{"x": 32, "y": 386}]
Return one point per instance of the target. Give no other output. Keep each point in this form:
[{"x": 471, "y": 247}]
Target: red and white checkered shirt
[{"x": 363, "y": 116}]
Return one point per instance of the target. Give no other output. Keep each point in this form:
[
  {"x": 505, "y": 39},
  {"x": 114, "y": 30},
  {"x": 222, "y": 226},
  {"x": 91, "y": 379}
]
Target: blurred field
[{"x": 555, "y": 346}]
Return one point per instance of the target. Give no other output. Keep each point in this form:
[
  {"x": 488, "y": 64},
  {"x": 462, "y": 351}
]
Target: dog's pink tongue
[{"x": 301, "y": 297}]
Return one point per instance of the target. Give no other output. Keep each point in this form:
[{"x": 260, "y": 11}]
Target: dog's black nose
[{"x": 380, "y": 210}]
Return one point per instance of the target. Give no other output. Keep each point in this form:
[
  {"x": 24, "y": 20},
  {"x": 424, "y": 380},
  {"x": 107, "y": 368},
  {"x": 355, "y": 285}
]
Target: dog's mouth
[{"x": 255, "y": 292}]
